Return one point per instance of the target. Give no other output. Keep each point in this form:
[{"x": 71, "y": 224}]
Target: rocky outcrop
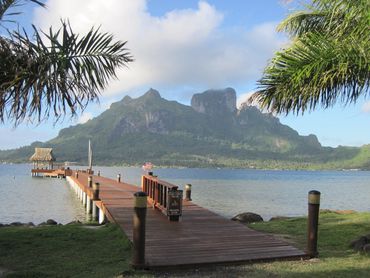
[
  {"x": 248, "y": 217},
  {"x": 361, "y": 244},
  {"x": 215, "y": 102},
  {"x": 51, "y": 222},
  {"x": 17, "y": 224}
]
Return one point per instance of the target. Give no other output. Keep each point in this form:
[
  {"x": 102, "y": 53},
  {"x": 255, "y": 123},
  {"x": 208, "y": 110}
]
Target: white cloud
[
  {"x": 185, "y": 47},
  {"x": 286, "y": 2},
  {"x": 243, "y": 98},
  {"x": 85, "y": 116},
  {"x": 366, "y": 107}
]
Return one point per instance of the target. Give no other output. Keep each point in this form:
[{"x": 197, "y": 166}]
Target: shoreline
[{"x": 215, "y": 167}]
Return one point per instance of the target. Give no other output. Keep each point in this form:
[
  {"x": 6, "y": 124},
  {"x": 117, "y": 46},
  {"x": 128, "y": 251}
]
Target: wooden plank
[{"x": 200, "y": 237}]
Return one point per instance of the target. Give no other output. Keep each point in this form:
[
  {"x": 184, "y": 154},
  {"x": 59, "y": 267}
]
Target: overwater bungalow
[{"x": 43, "y": 158}]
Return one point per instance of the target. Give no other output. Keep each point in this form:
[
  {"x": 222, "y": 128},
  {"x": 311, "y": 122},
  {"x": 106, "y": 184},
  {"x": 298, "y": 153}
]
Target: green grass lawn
[
  {"x": 336, "y": 258},
  {"x": 64, "y": 251},
  {"x": 77, "y": 251}
]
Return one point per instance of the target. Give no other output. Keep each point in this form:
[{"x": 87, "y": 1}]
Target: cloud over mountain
[{"x": 183, "y": 47}]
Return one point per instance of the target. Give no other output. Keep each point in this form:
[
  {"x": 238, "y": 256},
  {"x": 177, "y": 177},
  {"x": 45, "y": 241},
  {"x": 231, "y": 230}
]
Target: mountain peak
[
  {"x": 214, "y": 102},
  {"x": 152, "y": 93}
]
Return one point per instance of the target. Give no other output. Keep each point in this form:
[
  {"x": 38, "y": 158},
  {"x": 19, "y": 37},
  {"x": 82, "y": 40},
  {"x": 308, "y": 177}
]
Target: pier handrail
[{"x": 163, "y": 195}]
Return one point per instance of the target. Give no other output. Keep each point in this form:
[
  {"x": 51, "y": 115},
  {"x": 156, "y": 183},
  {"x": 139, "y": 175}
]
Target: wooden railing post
[
  {"x": 95, "y": 197},
  {"x": 89, "y": 201},
  {"x": 313, "y": 222},
  {"x": 140, "y": 206},
  {"x": 188, "y": 192},
  {"x": 96, "y": 189},
  {"x": 89, "y": 181},
  {"x": 143, "y": 184}
]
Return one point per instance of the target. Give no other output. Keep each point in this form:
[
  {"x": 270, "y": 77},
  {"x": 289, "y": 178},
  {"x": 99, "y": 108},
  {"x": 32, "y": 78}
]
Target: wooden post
[
  {"x": 313, "y": 222},
  {"x": 89, "y": 181},
  {"x": 188, "y": 192},
  {"x": 84, "y": 195},
  {"x": 95, "y": 197},
  {"x": 102, "y": 219},
  {"x": 140, "y": 203},
  {"x": 119, "y": 178},
  {"x": 95, "y": 211},
  {"x": 143, "y": 186},
  {"x": 96, "y": 189},
  {"x": 76, "y": 175},
  {"x": 98, "y": 173},
  {"x": 88, "y": 205}
]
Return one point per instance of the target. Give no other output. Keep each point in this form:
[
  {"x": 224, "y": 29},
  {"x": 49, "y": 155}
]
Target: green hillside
[{"x": 210, "y": 132}]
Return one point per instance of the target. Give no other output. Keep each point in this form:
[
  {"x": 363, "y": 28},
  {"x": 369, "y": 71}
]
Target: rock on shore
[
  {"x": 247, "y": 217},
  {"x": 361, "y": 244}
]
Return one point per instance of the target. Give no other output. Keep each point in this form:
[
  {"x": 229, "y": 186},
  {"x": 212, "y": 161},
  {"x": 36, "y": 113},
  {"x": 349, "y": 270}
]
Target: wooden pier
[
  {"x": 51, "y": 173},
  {"x": 200, "y": 237}
]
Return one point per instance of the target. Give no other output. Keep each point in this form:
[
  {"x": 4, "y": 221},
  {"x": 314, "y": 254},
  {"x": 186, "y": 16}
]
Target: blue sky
[{"x": 184, "y": 47}]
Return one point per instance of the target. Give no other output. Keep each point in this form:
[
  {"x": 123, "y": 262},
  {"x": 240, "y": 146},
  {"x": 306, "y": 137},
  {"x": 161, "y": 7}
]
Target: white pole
[{"x": 101, "y": 217}]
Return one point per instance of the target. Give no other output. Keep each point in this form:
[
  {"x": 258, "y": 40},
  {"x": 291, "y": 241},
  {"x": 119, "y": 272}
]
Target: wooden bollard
[
  {"x": 88, "y": 205},
  {"x": 95, "y": 197},
  {"x": 98, "y": 173},
  {"x": 119, "y": 178},
  {"x": 84, "y": 195},
  {"x": 101, "y": 219},
  {"x": 89, "y": 181},
  {"x": 140, "y": 203},
  {"x": 313, "y": 222},
  {"x": 94, "y": 211},
  {"x": 89, "y": 202},
  {"x": 96, "y": 189},
  {"x": 188, "y": 192}
]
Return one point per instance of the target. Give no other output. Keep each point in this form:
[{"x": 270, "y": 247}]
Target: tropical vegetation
[
  {"x": 327, "y": 61},
  {"x": 52, "y": 72}
]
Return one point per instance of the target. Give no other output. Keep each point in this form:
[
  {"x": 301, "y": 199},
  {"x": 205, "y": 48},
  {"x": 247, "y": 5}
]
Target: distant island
[{"x": 212, "y": 132}]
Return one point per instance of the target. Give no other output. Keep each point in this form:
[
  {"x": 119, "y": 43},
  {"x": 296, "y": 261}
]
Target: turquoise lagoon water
[{"x": 224, "y": 191}]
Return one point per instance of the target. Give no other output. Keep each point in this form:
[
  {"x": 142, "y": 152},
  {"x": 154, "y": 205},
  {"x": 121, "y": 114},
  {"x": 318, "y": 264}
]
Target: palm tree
[
  {"x": 327, "y": 60},
  {"x": 54, "y": 72}
]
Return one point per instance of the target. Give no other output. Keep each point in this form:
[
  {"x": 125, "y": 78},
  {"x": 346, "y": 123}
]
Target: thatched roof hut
[{"x": 43, "y": 154}]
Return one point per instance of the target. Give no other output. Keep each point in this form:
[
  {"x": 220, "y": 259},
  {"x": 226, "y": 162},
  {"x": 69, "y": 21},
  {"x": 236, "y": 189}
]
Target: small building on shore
[{"x": 43, "y": 158}]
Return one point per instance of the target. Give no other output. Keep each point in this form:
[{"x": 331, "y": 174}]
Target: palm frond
[
  {"x": 56, "y": 72},
  {"x": 327, "y": 61},
  {"x": 6, "y": 5},
  {"x": 315, "y": 71}
]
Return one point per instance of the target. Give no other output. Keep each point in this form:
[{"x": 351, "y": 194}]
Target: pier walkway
[{"x": 200, "y": 237}]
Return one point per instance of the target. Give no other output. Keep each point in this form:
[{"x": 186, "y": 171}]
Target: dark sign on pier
[{"x": 174, "y": 202}]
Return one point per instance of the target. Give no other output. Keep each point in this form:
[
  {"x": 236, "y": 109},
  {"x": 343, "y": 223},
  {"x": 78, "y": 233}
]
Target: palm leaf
[
  {"x": 327, "y": 61},
  {"x": 57, "y": 72}
]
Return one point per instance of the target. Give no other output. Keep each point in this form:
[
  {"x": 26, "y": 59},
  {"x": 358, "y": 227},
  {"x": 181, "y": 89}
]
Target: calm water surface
[{"x": 224, "y": 191}]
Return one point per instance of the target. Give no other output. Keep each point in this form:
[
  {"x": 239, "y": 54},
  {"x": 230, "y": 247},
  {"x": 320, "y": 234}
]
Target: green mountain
[{"x": 210, "y": 132}]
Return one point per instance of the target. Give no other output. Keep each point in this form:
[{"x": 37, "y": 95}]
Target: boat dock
[
  {"x": 51, "y": 173},
  {"x": 200, "y": 237}
]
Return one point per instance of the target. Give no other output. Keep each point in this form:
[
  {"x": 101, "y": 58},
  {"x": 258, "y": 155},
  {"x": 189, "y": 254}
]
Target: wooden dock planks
[{"x": 200, "y": 237}]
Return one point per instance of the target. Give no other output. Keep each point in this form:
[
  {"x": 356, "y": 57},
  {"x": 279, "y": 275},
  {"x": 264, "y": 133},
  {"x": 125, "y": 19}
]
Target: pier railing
[{"x": 164, "y": 196}]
